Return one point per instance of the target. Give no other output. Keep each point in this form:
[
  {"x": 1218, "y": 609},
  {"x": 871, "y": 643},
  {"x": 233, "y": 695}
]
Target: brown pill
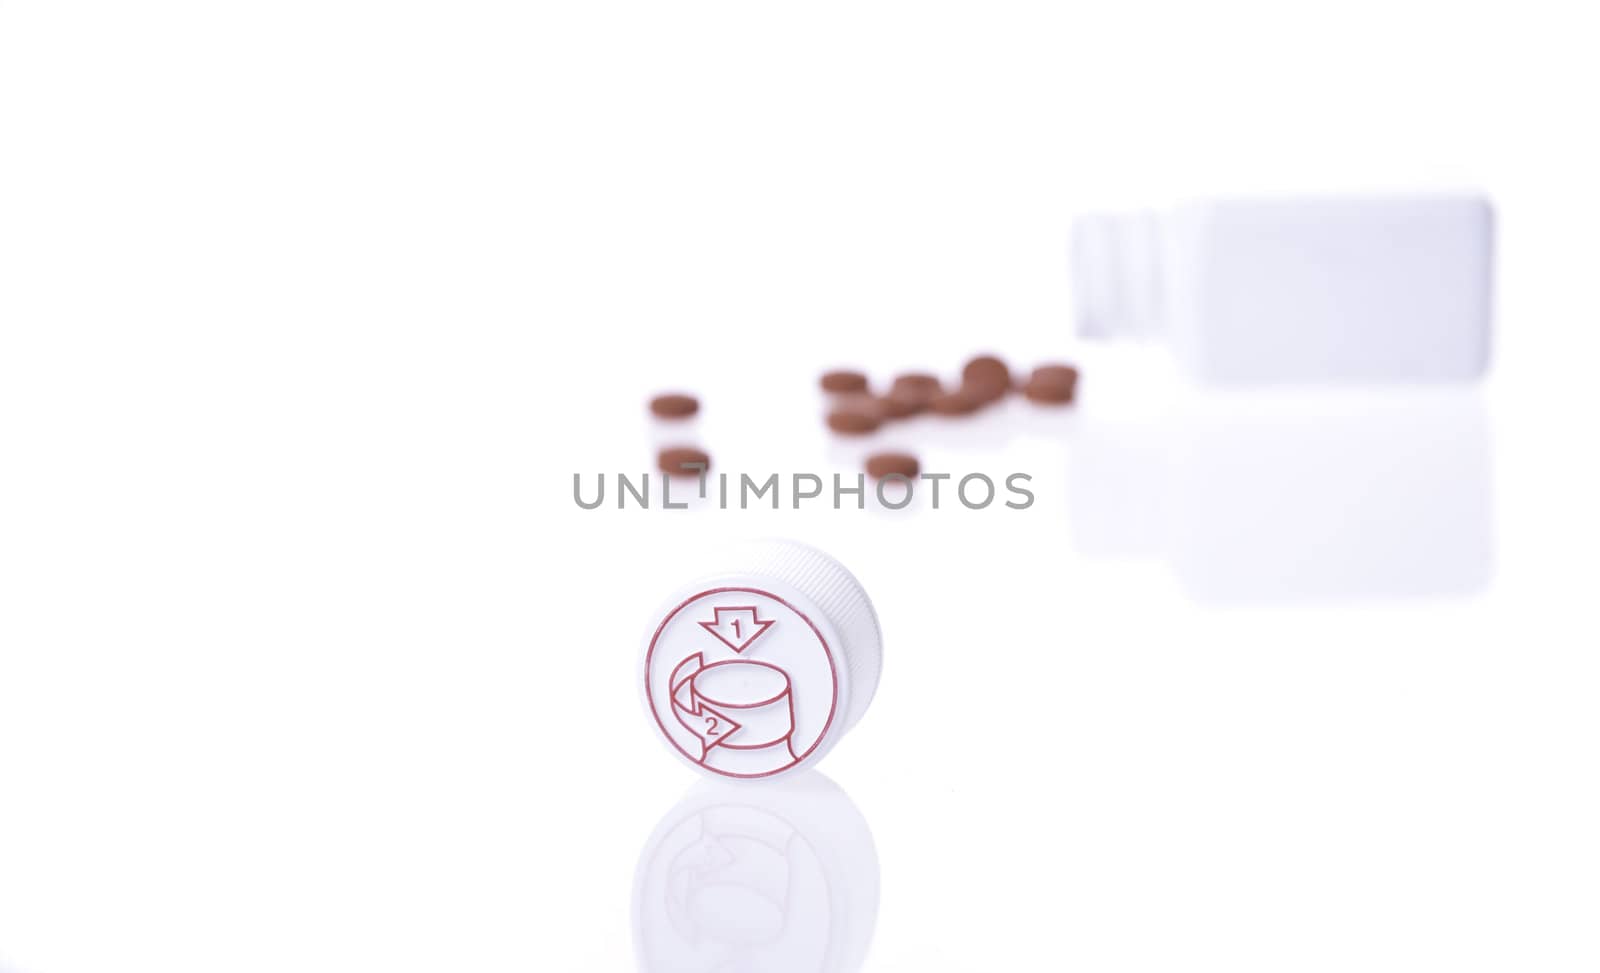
[
  {"x": 898, "y": 405},
  {"x": 922, "y": 382},
  {"x": 843, "y": 380},
  {"x": 683, "y": 461},
  {"x": 856, "y": 416},
  {"x": 909, "y": 395},
  {"x": 961, "y": 402},
  {"x": 985, "y": 392},
  {"x": 880, "y": 465},
  {"x": 1052, "y": 384},
  {"x": 674, "y": 405},
  {"x": 989, "y": 373}
]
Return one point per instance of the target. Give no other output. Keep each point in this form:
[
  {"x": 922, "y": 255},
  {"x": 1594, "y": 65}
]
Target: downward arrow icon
[{"x": 737, "y": 627}]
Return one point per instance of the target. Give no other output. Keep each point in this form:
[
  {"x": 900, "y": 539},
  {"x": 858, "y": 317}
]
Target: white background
[{"x": 309, "y": 312}]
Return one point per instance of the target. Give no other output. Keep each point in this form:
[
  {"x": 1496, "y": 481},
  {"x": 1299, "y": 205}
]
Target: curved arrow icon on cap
[
  {"x": 710, "y": 725},
  {"x": 737, "y": 627}
]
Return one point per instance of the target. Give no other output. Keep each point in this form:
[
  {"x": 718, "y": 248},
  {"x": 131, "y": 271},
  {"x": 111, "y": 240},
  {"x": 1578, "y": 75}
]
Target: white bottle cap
[{"x": 758, "y": 666}]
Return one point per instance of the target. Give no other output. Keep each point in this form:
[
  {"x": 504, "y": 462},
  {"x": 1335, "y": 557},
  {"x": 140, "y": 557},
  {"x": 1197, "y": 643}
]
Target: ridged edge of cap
[{"x": 840, "y": 598}]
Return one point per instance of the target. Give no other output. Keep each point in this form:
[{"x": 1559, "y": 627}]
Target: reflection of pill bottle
[{"x": 1359, "y": 289}]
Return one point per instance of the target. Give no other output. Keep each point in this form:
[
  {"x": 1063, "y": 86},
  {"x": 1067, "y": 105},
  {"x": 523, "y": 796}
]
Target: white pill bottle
[{"x": 1335, "y": 290}]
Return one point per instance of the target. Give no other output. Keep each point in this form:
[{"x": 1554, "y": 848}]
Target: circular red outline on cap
[{"x": 833, "y": 669}]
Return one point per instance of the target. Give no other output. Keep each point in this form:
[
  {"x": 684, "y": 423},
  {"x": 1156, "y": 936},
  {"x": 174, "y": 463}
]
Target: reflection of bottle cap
[
  {"x": 759, "y": 665},
  {"x": 775, "y": 878}
]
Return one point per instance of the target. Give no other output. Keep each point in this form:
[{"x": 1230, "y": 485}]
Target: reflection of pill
[
  {"x": 880, "y": 465},
  {"x": 683, "y": 460},
  {"x": 674, "y": 405},
  {"x": 762, "y": 661},
  {"x": 1052, "y": 384},
  {"x": 843, "y": 380},
  {"x": 987, "y": 372}
]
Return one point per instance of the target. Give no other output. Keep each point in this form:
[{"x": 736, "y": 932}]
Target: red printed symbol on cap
[
  {"x": 737, "y": 704},
  {"x": 736, "y": 627},
  {"x": 747, "y": 689}
]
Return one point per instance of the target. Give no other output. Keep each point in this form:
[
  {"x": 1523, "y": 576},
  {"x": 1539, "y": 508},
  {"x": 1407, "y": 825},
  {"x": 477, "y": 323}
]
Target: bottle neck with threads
[{"x": 1117, "y": 275}]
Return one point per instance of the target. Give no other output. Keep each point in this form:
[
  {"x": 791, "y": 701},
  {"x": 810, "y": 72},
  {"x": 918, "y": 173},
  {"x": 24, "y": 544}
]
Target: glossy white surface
[
  {"x": 309, "y": 312},
  {"x": 772, "y": 876}
]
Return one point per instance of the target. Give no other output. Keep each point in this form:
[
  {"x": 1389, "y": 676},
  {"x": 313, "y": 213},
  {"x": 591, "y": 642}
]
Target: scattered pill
[
  {"x": 920, "y": 382},
  {"x": 683, "y": 461},
  {"x": 961, "y": 402},
  {"x": 844, "y": 380},
  {"x": 987, "y": 372},
  {"x": 880, "y": 465},
  {"x": 674, "y": 405},
  {"x": 986, "y": 393},
  {"x": 856, "y": 416},
  {"x": 903, "y": 402},
  {"x": 1052, "y": 384},
  {"x": 909, "y": 395},
  {"x": 856, "y": 412}
]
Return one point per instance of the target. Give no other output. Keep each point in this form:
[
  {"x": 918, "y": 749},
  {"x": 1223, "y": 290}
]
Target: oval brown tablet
[
  {"x": 674, "y": 405},
  {"x": 1052, "y": 384},
  {"x": 856, "y": 416},
  {"x": 909, "y": 395},
  {"x": 985, "y": 392},
  {"x": 988, "y": 372},
  {"x": 880, "y": 465},
  {"x": 683, "y": 461},
  {"x": 961, "y": 402},
  {"x": 906, "y": 400},
  {"x": 922, "y": 382},
  {"x": 843, "y": 380},
  {"x": 898, "y": 406}
]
